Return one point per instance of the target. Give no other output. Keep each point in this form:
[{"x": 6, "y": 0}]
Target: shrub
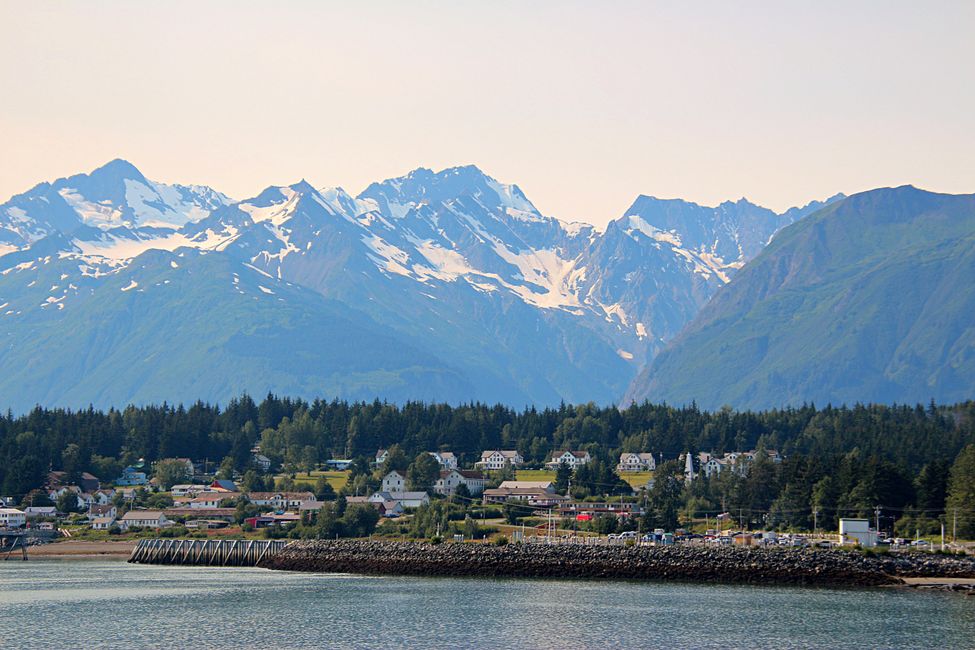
[{"x": 501, "y": 541}]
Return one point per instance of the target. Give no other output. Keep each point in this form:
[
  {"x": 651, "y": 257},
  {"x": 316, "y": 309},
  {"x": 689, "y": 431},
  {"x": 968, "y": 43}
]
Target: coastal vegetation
[{"x": 836, "y": 461}]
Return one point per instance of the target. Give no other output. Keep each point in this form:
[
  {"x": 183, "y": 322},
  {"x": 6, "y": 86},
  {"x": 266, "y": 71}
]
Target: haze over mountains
[{"x": 436, "y": 285}]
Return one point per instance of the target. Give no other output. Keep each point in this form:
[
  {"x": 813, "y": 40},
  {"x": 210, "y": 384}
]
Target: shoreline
[
  {"x": 79, "y": 550},
  {"x": 716, "y": 565}
]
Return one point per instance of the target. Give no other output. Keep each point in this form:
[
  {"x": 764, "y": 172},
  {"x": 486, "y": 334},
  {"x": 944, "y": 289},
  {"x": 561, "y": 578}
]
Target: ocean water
[{"x": 112, "y": 604}]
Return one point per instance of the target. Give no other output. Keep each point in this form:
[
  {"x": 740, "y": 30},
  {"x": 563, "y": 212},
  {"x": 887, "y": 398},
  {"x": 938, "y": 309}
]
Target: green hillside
[{"x": 871, "y": 299}]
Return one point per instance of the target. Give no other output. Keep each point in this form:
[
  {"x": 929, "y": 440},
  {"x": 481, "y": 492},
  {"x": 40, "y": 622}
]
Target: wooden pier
[
  {"x": 205, "y": 552},
  {"x": 11, "y": 541}
]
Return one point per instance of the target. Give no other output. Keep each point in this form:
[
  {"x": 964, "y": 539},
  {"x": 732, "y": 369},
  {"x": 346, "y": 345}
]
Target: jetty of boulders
[{"x": 690, "y": 563}]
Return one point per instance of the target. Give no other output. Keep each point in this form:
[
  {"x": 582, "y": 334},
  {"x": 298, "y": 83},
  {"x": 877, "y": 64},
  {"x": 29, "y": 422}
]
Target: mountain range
[
  {"x": 452, "y": 286},
  {"x": 436, "y": 285},
  {"x": 870, "y": 299}
]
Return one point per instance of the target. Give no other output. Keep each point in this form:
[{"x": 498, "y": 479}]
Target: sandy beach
[{"x": 79, "y": 549}]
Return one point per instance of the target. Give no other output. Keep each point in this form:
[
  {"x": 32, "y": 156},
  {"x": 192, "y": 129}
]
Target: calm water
[{"x": 86, "y": 604}]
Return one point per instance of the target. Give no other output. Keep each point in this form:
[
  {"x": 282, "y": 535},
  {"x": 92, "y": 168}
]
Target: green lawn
[
  {"x": 535, "y": 475},
  {"x": 337, "y": 479},
  {"x": 635, "y": 479}
]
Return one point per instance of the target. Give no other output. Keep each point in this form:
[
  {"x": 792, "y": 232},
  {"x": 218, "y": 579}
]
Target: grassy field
[
  {"x": 635, "y": 479},
  {"x": 337, "y": 479}
]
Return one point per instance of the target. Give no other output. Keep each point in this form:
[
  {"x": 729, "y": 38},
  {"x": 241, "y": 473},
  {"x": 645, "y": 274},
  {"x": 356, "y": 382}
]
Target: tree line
[{"x": 838, "y": 460}]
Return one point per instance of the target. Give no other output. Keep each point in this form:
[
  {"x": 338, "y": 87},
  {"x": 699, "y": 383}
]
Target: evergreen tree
[{"x": 960, "y": 505}]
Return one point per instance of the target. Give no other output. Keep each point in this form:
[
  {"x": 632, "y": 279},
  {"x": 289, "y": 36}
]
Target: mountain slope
[
  {"x": 188, "y": 325},
  {"x": 869, "y": 299},
  {"x": 473, "y": 293}
]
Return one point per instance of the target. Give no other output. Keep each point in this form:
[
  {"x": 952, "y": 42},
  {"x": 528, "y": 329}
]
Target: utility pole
[
  {"x": 815, "y": 522},
  {"x": 877, "y": 513},
  {"x": 954, "y": 526}
]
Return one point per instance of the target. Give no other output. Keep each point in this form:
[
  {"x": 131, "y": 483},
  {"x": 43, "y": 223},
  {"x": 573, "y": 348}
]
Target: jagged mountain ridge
[
  {"x": 520, "y": 307},
  {"x": 868, "y": 300}
]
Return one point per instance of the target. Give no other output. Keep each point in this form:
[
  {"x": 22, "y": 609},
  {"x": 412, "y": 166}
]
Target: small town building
[
  {"x": 339, "y": 464},
  {"x": 36, "y": 512},
  {"x": 12, "y": 518},
  {"x": 498, "y": 459},
  {"x": 87, "y": 482},
  {"x": 102, "y": 523},
  {"x": 144, "y": 519},
  {"x": 450, "y": 480},
  {"x": 280, "y": 500},
  {"x": 571, "y": 458},
  {"x": 211, "y": 499},
  {"x": 394, "y": 482},
  {"x": 188, "y": 489},
  {"x": 857, "y": 531},
  {"x": 132, "y": 476},
  {"x": 406, "y": 499},
  {"x": 536, "y": 493},
  {"x": 446, "y": 459},
  {"x": 261, "y": 462},
  {"x": 97, "y": 511},
  {"x": 636, "y": 462},
  {"x": 223, "y": 485}
]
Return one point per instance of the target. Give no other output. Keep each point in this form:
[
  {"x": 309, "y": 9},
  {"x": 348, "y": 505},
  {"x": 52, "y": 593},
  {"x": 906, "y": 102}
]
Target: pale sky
[{"x": 584, "y": 105}]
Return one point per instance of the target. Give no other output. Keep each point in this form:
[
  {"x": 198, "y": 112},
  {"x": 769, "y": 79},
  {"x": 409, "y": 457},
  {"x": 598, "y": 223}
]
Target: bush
[
  {"x": 501, "y": 541},
  {"x": 436, "y": 539}
]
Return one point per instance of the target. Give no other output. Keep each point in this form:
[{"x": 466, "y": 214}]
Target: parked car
[{"x": 921, "y": 543}]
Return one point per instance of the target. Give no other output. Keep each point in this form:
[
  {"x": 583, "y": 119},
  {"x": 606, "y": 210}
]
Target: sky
[{"x": 584, "y": 105}]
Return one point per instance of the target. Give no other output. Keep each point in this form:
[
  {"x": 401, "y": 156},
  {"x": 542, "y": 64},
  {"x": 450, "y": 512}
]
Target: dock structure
[
  {"x": 205, "y": 552},
  {"x": 11, "y": 541}
]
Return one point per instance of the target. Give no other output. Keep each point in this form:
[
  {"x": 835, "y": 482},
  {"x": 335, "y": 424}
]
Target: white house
[
  {"x": 497, "y": 459},
  {"x": 571, "y": 458},
  {"x": 636, "y": 462},
  {"x": 12, "y": 518},
  {"x": 446, "y": 459},
  {"x": 450, "y": 480},
  {"x": 406, "y": 499},
  {"x": 143, "y": 518},
  {"x": 857, "y": 531},
  {"x": 381, "y": 456},
  {"x": 34, "y": 512},
  {"x": 102, "y": 523},
  {"x": 188, "y": 490},
  {"x": 280, "y": 500},
  {"x": 261, "y": 462},
  {"x": 101, "y": 511},
  {"x": 394, "y": 482},
  {"x": 211, "y": 499}
]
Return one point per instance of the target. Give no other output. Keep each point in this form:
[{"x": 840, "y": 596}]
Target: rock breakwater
[{"x": 742, "y": 565}]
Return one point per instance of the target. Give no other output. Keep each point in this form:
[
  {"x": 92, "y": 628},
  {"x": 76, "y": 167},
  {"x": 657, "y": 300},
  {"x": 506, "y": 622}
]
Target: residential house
[
  {"x": 390, "y": 509},
  {"x": 102, "y": 523},
  {"x": 190, "y": 467},
  {"x": 102, "y": 497},
  {"x": 571, "y": 458},
  {"x": 211, "y": 499},
  {"x": 636, "y": 462},
  {"x": 12, "y": 518},
  {"x": 498, "y": 459},
  {"x": 101, "y": 511},
  {"x": 450, "y": 480},
  {"x": 340, "y": 464},
  {"x": 406, "y": 499},
  {"x": 394, "y": 482},
  {"x": 188, "y": 490},
  {"x": 224, "y": 514},
  {"x": 536, "y": 493},
  {"x": 446, "y": 459},
  {"x": 261, "y": 462},
  {"x": 381, "y": 456},
  {"x": 132, "y": 476},
  {"x": 280, "y": 500},
  {"x": 87, "y": 482},
  {"x": 144, "y": 518},
  {"x": 36, "y": 512}
]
